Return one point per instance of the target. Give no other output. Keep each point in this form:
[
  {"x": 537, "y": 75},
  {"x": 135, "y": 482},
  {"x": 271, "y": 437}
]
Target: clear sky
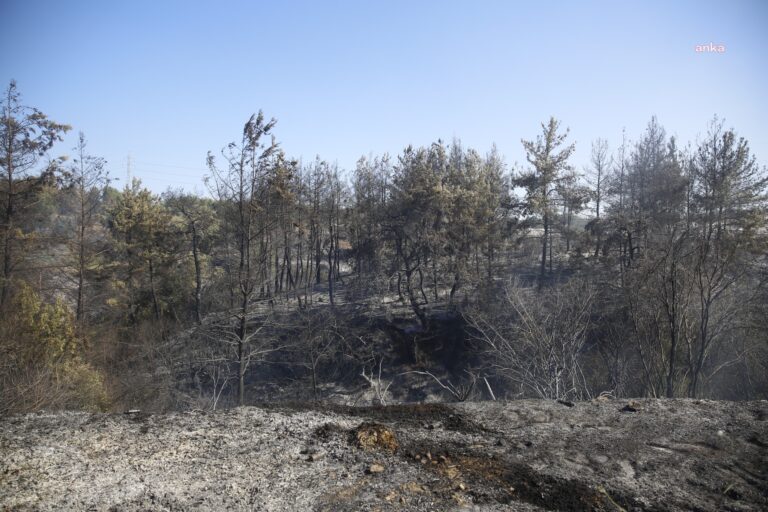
[{"x": 166, "y": 81}]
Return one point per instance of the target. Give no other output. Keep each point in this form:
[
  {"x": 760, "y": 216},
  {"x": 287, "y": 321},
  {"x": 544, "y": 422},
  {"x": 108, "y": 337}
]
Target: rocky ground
[{"x": 524, "y": 455}]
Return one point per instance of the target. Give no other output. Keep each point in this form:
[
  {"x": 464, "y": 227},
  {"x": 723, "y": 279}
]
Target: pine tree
[
  {"x": 139, "y": 224},
  {"x": 86, "y": 178},
  {"x": 550, "y": 163},
  {"x": 26, "y": 135},
  {"x": 198, "y": 224},
  {"x": 242, "y": 186}
]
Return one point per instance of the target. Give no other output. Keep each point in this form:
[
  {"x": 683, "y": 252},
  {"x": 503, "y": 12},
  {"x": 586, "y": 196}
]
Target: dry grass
[{"x": 375, "y": 437}]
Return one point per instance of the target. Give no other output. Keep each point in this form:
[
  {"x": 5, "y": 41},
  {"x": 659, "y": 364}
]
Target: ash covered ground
[{"x": 524, "y": 455}]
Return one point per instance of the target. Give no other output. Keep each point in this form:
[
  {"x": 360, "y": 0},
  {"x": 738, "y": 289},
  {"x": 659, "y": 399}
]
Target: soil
[{"x": 528, "y": 455}]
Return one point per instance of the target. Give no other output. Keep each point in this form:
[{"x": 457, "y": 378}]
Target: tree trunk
[
  {"x": 8, "y": 238},
  {"x": 330, "y": 266},
  {"x": 421, "y": 286},
  {"x": 80, "y": 269},
  {"x": 434, "y": 280},
  {"x": 198, "y": 277},
  {"x": 412, "y": 299},
  {"x": 455, "y": 286},
  {"x": 598, "y": 227},
  {"x": 318, "y": 260},
  {"x": 155, "y": 303},
  {"x": 543, "y": 269},
  {"x": 241, "y": 351}
]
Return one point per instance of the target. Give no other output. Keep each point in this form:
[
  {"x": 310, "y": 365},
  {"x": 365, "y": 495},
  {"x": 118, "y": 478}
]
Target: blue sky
[{"x": 167, "y": 81}]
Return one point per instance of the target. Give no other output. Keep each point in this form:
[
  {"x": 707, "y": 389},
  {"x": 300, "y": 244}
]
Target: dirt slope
[{"x": 524, "y": 455}]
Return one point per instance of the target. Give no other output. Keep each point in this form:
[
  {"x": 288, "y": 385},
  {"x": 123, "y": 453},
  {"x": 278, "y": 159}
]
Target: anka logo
[{"x": 710, "y": 48}]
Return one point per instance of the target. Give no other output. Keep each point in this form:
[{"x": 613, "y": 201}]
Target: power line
[
  {"x": 172, "y": 165},
  {"x": 166, "y": 173}
]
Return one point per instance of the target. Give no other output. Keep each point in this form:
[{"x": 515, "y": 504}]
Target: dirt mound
[{"x": 528, "y": 455}]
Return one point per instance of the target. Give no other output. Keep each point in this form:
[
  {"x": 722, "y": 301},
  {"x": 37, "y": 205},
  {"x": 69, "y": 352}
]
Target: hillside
[{"x": 522, "y": 455}]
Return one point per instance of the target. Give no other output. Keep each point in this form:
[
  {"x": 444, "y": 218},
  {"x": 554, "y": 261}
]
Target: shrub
[{"x": 43, "y": 359}]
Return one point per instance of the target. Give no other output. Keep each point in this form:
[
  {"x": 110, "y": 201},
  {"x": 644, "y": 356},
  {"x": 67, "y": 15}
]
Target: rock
[
  {"x": 313, "y": 457},
  {"x": 375, "y": 468},
  {"x": 627, "y": 469}
]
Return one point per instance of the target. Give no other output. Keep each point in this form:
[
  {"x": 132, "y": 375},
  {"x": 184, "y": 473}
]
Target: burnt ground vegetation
[{"x": 523, "y": 455}]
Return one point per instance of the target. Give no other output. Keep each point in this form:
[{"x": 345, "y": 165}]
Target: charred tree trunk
[
  {"x": 544, "y": 239},
  {"x": 198, "y": 276}
]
